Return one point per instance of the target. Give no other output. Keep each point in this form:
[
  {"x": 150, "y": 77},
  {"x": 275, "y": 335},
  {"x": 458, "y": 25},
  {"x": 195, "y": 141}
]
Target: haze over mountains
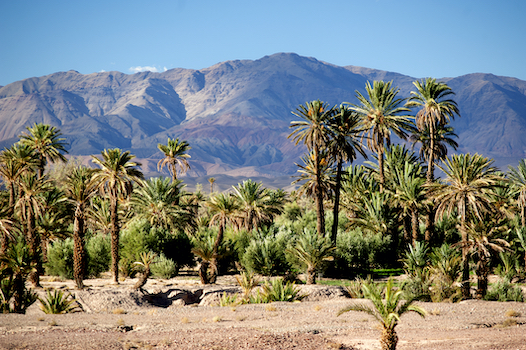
[{"x": 236, "y": 114}]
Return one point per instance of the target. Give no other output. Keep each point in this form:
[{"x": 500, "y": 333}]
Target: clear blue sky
[{"x": 419, "y": 38}]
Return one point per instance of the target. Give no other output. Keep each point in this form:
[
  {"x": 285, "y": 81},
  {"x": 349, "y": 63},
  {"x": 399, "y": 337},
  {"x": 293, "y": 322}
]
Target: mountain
[{"x": 236, "y": 114}]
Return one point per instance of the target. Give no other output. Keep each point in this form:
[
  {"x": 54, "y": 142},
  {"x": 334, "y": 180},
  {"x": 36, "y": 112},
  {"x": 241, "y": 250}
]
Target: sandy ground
[{"x": 115, "y": 320}]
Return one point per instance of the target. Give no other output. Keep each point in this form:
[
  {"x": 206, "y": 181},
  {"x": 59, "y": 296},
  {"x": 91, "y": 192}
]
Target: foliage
[
  {"x": 98, "y": 250},
  {"x": 265, "y": 254},
  {"x": 504, "y": 290},
  {"x": 445, "y": 272},
  {"x": 359, "y": 252},
  {"x": 60, "y": 258},
  {"x": 164, "y": 267},
  {"x": 247, "y": 281},
  {"x": 279, "y": 290},
  {"x": 58, "y": 303}
]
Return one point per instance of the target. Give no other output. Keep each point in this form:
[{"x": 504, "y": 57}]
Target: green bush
[
  {"x": 140, "y": 236},
  {"x": 265, "y": 254},
  {"x": 278, "y": 290},
  {"x": 98, "y": 248},
  {"x": 358, "y": 252},
  {"x": 504, "y": 290},
  {"x": 164, "y": 267},
  {"x": 60, "y": 258}
]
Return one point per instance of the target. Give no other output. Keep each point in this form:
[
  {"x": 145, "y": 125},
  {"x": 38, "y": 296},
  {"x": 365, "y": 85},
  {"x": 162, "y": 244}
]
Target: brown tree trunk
[
  {"x": 320, "y": 212},
  {"x": 143, "y": 278},
  {"x": 415, "y": 226},
  {"x": 389, "y": 339},
  {"x": 311, "y": 275},
  {"x": 34, "y": 246},
  {"x": 203, "y": 272},
  {"x": 482, "y": 278},
  {"x": 407, "y": 230},
  {"x": 336, "y": 209},
  {"x": 430, "y": 178},
  {"x": 114, "y": 219},
  {"x": 79, "y": 252},
  {"x": 381, "y": 169},
  {"x": 214, "y": 263},
  {"x": 466, "y": 288}
]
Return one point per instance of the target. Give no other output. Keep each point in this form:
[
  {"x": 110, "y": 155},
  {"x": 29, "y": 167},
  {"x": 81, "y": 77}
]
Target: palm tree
[
  {"x": 30, "y": 205},
  {"x": 436, "y": 110},
  {"x": 387, "y": 308},
  {"x": 224, "y": 208},
  {"x": 156, "y": 201},
  {"x": 382, "y": 113},
  {"x": 175, "y": 155},
  {"x": 312, "y": 250},
  {"x": 467, "y": 189},
  {"x": 115, "y": 180},
  {"x": 410, "y": 194},
  {"x": 343, "y": 146},
  {"x": 313, "y": 132},
  {"x": 46, "y": 141},
  {"x": 517, "y": 178},
  {"x": 80, "y": 188},
  {"x": 483, "y": 240},
  {"x": 211, "y": 180}
]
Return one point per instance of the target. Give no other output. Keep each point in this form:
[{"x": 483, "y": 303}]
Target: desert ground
[{"x": 182, "y": 314}]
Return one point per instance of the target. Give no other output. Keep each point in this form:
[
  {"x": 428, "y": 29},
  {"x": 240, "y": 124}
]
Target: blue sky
[{"x": 418, "y": 38}]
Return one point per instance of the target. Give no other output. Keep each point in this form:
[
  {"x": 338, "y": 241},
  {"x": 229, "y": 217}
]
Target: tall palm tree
[
  {"x": 212, "y": 180},
  {"x": 15, "y": 161},
  {"x": 436, "y": 110},
  {"x": 387, "y": 308},
  {"x": 115, "y": 180},
  {"x": 313, "y": 132},
  {"x": 175, "y": 156},
  {"x": 382, "y": 113},
  {"x": 80, "y": 188},
  {"x": 224, "y": 208},
  {"x": 344, "y": 146},
  {"x": 30, "y": 204},
  {"x": 48, "y": 144},
  {"x": 517, "y": 178},
  {"x": 156, "y": 201},
  {"x": 467, "y": 189}
]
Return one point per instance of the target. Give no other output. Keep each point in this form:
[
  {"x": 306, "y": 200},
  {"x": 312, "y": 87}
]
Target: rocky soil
[{"x": 181, "y": 314}]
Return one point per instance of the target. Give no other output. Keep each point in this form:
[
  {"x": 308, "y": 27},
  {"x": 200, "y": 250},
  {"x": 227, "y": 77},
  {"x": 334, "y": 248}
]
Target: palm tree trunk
[
  {"x": 430, "y": 178},
  {"x": 203, "y": 272},
  {"x": 482, "y": 278},
  {"x": 381, "y": 169},
  {"x": 320, "y": 224},
  {"x": 34, "y": 245},
  {"x": 414, "y": 224},
  {"x": 311, "y": 275},
  {"x": 465, "y": 261},
  {"x": 523, "y": 215},
  {"x": 407, "y": 230},
  {"x": 214, "y": 262},
  {"x": 114, "y": 230},
  {"x": 143, "y": 278},
  {"x": 336, "y": 209},
  {"x": 389, "y": 339},
  {"x": 79, "y": 253}
]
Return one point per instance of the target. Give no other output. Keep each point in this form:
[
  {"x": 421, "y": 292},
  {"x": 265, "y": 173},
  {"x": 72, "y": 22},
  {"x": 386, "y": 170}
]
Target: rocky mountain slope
[{"x": 236, "y": 114}]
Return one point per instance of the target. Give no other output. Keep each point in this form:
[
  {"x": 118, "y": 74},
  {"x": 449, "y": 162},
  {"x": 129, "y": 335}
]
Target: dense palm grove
[{"x": 63, "y": 218}]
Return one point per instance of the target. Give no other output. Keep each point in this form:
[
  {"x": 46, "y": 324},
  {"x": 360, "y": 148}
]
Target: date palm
[
  {"x": 436, "y": 110},
  {"x": 387, "y": 308},
  {"x": 224, "y": 208},
  {"x": 80, "y": 188},
  {"x": 344, "y": 146},
  {"x": 115, "y": 179},
  {"x": 467, "y": 189},
  {"x": 313, "y": 132},
  {"x": 382, "y": 113},
  {"x": 156, "y": 201},
  {"x": 48, "y": 144},
  {"x": 30, "y": 205},
  {"x": 175, "y": 156}
]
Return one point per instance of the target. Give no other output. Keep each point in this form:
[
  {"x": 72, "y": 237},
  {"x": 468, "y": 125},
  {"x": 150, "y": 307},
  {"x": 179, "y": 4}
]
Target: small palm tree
[
  {"x": 212, "y": 180},
  {"x": 175, "y": 155},
  {"x": 517, "y": 178},
  {"x": 147, "y": 259},
  {"x": 48, "y": 144},
  {"x": 387, "y": 308},
  {"x": 115, "y": 180},
  {"x": 312, "y": 251}
]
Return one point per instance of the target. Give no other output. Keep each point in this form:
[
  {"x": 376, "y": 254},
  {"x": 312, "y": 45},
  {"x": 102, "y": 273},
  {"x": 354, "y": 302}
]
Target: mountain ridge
[{"x": 235, "y": 114}]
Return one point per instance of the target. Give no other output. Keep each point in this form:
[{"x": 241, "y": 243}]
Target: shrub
[
  {"x": 504, "y": 290},
  {"x": 278, "y": 290},
  {"x": 445, "y": 273},
  {"x": 164, "y": 267},
  {"x": 60, "y": 258},
  {"x": 357, "y": 251},
  {"x": 266, "y": 254},
  {"x": 58, "y": 303},
  {"x": 98, "y": 250}
]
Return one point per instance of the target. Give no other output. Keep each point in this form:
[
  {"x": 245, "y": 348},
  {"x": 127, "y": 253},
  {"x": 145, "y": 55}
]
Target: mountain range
[{"x": 236, "y": 114}]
